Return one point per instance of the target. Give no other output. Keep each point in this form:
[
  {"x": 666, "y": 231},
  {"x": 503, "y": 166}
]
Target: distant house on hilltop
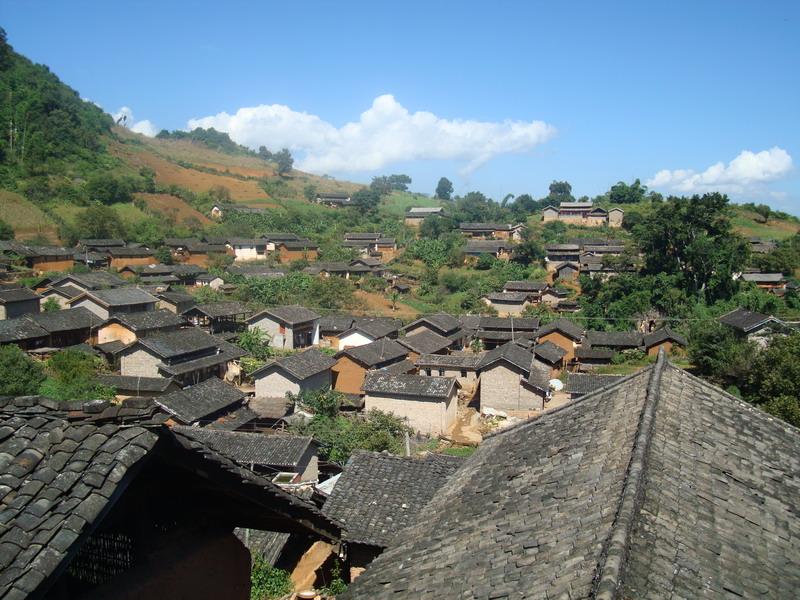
[
  {"x": 334, "y": 199},
  {"x": 584, "y": 214},
  {"x": 417, "y": 214}
]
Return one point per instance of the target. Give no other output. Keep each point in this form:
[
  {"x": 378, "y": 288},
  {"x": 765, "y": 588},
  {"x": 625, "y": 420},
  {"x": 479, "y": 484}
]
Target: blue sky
[{"x": 502, "y": 97}]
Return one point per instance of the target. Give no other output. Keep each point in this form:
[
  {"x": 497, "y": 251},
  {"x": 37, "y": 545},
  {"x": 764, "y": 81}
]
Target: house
[
  {"x": 428, "y": 404},
  {"x": 424, "y": 341},
  {"x": 292, "y": 457},
  {"x": 175, "y": 302},
  {"x": 201, "y": 403},
  {"x": 365, "y": 330},
  {"x": 128, "y": 327},
  {"x": 218, "y": 317},
  {"x": 500, "y": 249},
  {"x": 119, "y": 258},
  {"x": 114, "y": 301},
  {"x": 663, "y": 338},
  {"x": 24, "y": 333},
  {"x": 761, "y": 246},
  {"x": 44, "y": 259},
  {"x": 417, "y": 214},
  {"x": 100, "y": 244},
  {"x": 189, "y": 356},
  {"x": 753, "y": 326},
  {"x": 580, "y": 384},
  {"x": 618, "y": 341},
  {"x": 247, "y": 249},
  {"x": 185, "y": 274},
  {"x": 384, "y": 248},
  {"x": 352, "y": 364},
  {"x": 771, "y": 282},
  {"x": 138, "y": 387},
  {"x": 497, "y": 231},
  {"x": 667, "y": 507},
  {"x": 554, "y": 296},
  {"x": 561, "y": 253},
  {"x": 496, "y": 331},
  {"x": 17, "y": 302},
  {"x": 208, "y": 280},
  {"x": 586, "y": 358},
  {"x": 201, "y": 253},
  {"x": 62, "y": 294},
  {"x": 255, "y": 271},
  {"x": 443, "y": 324},
  {"x": 511, "y": 380},
  {"x": 563, "y": 333},
  {"x": 463, "y": 366},
  {"x": 289, "y": 251},
  {"x": 331, "y": 327},
  {"x": 302, "y": 372},
  {"x": 96, "y": 280},
  {"x": 288, "y": 327},
  {"x": 533, "y": 288},
  {"x": 584, "y": 214},
  {"x": 56, "y": 329},
  {"x": 334, "y": 199},
  {"x": 508, "y": 303},
  {"x": 551, "y": 356},
  {"x": 566, "y": 271},
  {"x": 362, "y": 237},
  {"x": 124, "y": 511},
  {"x": 379, "y": 495}
]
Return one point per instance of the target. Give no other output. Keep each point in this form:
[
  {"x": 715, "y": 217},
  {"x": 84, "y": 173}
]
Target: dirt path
[
  {"x": 466, "y": 429},
  {"x": 377, "y": 304}
]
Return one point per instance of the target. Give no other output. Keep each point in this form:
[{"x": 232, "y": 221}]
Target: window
[
  {"x": 463, "y": 373},
  {"x": 441, "y": 372},
  {"x": 282, "y": 329}
]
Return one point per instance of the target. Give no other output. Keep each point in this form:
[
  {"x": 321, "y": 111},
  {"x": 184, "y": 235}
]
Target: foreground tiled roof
[
  {"x": 252, "y": 448},
  {"x": 586, "y": 383},
  {"x": 457, "y": 360},
  {"x": 129, "y": 383},
  {"x": 379, "y": 495},
  {"x": 660, "y": 486}
]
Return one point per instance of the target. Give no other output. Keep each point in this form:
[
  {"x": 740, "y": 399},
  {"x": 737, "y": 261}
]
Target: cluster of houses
[{"x": 516, "y": 296}]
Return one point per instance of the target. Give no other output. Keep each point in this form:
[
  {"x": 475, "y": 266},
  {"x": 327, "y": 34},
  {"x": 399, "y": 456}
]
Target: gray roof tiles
[
  {"x": 376, "y": 353},
  {"x": 291, "y": 315},
  {"x": 281, "y": 451},
  {"x": 579, "y": 384},
  {"x": 387, "y": 384},
  {"x": 176, "y": 343},
  {"x": 379, "y": 495},
  {"x": 425, "y": 342},
  {"x": 17, "y": 295},
  {"x": 462, "y": 360},
  {"x": 149, "y": 320},
  {"x": 744, "y": 320},
  {"x": 564, "y": 326},
  {"x": 659, "y": 486},
  {"x": 300, "y": 366},
  {"x": 123, "y": 296},
  {"x": 129, "y": 383},
  {"x": 216, "y": 310},
  {"x": 200, "y": 401}
]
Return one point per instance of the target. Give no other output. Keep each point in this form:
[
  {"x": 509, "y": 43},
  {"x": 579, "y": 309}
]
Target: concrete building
[
  {"x": 288, "y": 327},
  {"x": 302, "y": 372},
  {"x": 511, "y": 381},
  {"x": 429, "y": 404}
]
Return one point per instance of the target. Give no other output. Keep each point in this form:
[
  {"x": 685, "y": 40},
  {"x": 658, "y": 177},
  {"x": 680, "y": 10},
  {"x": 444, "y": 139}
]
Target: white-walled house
[
  {"x": 305, "y": 371},
  {"x": 288, "y": 327},
  {"x": 429, "y": 404}
]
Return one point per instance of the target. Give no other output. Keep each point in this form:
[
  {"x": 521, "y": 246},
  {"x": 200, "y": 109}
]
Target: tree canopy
[{"x": 444, "y": 189}]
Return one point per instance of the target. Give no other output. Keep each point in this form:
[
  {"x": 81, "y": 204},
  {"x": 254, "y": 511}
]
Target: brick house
[
  {"x": 288, "y": 327},
  {"x": 511, "y": 380},
  {"x": 305, "y": 371},
  {"x": 128, "y": 327},
  {"x": 352, "y": 364}
]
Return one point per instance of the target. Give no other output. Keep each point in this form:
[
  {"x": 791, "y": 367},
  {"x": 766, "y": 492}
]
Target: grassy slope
[
  {"x": 27, "y": 219},
  {"x": 398, "y": 202}
]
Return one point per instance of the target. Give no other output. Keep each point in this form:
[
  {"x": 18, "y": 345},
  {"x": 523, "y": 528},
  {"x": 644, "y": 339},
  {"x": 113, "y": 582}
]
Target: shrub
[{"x": 267, "y": 582}]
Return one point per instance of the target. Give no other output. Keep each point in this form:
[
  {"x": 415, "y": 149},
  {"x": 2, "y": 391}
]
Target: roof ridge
[{"x": 613, "y": 560}]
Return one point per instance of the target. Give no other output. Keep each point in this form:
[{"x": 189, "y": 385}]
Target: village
[{"x": 179, "y": 371}]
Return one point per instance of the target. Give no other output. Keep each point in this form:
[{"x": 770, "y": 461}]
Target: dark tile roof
[
  {"x": 235, "y": 419},
  {"x": 614, "y": 339},
  {"x": 200, "y": 401},
  {"x": 764, "y": 277},
  {"x": 298, "y": 244},
  {"x": 227, "y": 352},
  {"x": 579, "y": 384},
  {"x": 149, "y": 320},
  {"x": 100, "y": 242},
  {"x": 441, "y": 322},
  {"x": 525, "y": 286},
  {"x": 491, "y": 335},
  {"x": 458, "y": 360},
  {"x": 128, "y": 383},
  {"x": 291, "y": 315},
  {"x": 255, "y": 271},
  {"x": 511, "y": 353},
  {"x": 70, "y": 319},
  {"x": 336, "y": 323},
  {"x": 216, "y": 310},
  {"x": 376, "y": 327},
  {"x": 93, "y": 281},
  {"x": 486, "y": 246},
  {"x": 587, "y": 353},
  {"x": 435, "y": 388},
  {"x": 549, "y": 352},
  {"x": 67, "y": 291},
  {"x": 485, "y": 226},
  {"x": 508, "y": 297},
  {"x": 378, "y": 495},
  {"x": 660, "y": 486},
  {"x": 17, "y": 295},
  {"x": 425, "y": 341},
  {"x": 509, "y": 323},
  {"x": 129, "y": 252},
  {"x": 662, "y": 335},
  {"x": 271, "y": 408},
  {"x": 253, "y": 448},
  {"x": 362, "y": 236},
  {"x": 176, "y": 297},
  {"x": 375, "y": 353},
  {"x": 404, "y": 367},
  {"x": 744, "y": 320},
  {"x": 176, "y": 343},
  {"x": 564, "y": 326},
  {"x": 126, "y": 296},
  {"x": 300, "y": 366}
]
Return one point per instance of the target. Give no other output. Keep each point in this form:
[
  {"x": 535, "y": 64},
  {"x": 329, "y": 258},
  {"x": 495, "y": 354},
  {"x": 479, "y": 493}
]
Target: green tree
[
  {"x": 763, "y": 211},
  {"x": 310, "y": 192},
  {"x": 20, "y": 375},
  {"x": 773, "y": 381},
  {"x": 6, "y": 231},
  {"x": 366, "y": 200},
  {"x": 718, "y": 355},
  {"x": 256, "y": 343},
  {"x": 622, "y": 193},
  {"x": 694, "y": 237},
  {"x": 50, "y": 305},
  {"x": 268, "y": 582},
  {"x": 99, "y": 221},
  {"x": 107, "y": 189},
  {"x": 284, "y": 161},
  {"x": 559, "y": 191},
  {"x": 444, "y": 189},
  {"x": 163, "y": 255},
  {"x": 72, "y": 376}
]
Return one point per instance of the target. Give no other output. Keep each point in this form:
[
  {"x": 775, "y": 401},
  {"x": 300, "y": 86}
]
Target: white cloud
[
  {"x": 124, "y": 116},
  {"x": 748, "y": 172},
  {"x": 386, "y": 133}
]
